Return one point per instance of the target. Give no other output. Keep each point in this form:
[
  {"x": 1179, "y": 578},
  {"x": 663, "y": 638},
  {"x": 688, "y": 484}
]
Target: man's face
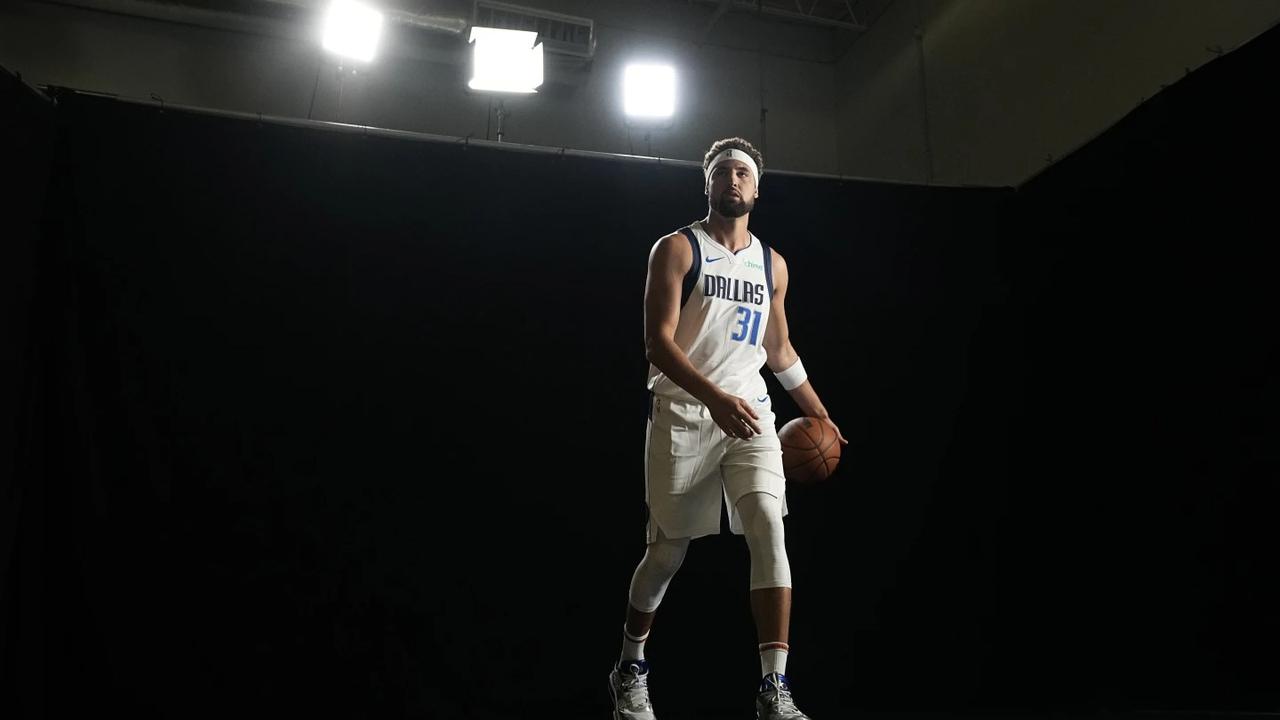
[{"x": 731, "y": 189}]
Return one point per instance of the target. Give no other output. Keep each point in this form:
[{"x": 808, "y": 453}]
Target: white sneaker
[
  {"x": 774, "y": 700},
  {"x": 629, "y": 685}
]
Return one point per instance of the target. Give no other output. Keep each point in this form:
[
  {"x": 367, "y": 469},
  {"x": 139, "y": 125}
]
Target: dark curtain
[{"x": 27, "y": 141}]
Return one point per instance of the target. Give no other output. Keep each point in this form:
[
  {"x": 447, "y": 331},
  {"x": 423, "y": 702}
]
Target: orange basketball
[{"x": 810, "y": 450}]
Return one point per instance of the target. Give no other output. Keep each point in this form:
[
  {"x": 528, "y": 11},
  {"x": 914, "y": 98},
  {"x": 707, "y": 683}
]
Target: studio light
[
  {"x": 506, "y": 60},
  {"x": 352, "y": 29},
  {"x": 649, "y": 91}
]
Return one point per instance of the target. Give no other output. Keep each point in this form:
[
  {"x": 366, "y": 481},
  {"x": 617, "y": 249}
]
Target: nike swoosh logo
[
  {"x": 711, "y": 260},
  {"x": 766, "y": 397}
]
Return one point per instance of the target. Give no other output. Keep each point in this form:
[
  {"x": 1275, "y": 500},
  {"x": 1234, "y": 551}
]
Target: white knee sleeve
[
  {"x": 761, "y": 515},
  {"x": 661, "y": 561}
]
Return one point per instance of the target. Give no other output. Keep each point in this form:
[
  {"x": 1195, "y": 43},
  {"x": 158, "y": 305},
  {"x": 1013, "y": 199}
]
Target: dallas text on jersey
[{"x": 733, "y": 289}]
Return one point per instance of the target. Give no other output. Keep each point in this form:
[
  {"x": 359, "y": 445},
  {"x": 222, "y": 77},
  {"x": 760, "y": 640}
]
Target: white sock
[
  {"x": 773, "y": 658},
  {"x": 632, "y": 646}
]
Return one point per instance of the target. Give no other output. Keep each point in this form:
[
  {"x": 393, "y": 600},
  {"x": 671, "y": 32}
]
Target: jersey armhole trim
[
  {"x": 768, "y": 267},
  {"x": 691, "y": 277}
]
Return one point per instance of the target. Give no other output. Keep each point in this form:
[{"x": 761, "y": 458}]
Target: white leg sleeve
[
  {"x": 661, "y": 560},
  {"x": 761, "y": 515}
]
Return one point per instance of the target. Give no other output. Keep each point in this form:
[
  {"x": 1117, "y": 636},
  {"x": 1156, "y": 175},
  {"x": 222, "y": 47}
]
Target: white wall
[
  {"x": 419, "y": 82},
  {"x": 1013, "y": 85},
  {"x": 879, "y": 106}
]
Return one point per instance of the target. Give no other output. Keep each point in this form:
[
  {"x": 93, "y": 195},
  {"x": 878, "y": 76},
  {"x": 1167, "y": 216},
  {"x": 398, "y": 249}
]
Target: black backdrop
[
  {"x": 28, "y": 136},
  {"x": 344, "y": 424}
]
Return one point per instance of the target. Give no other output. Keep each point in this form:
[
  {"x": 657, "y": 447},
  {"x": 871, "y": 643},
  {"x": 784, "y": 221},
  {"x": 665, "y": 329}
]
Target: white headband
[{"x": 732, "y": 154}]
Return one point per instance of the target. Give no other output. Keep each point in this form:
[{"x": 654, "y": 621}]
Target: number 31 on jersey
[{"x": 748, "y": 329}]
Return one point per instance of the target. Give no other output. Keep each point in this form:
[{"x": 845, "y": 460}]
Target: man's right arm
[{"x": 669, "y": 261}]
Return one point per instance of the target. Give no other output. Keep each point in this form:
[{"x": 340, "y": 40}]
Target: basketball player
[{"x": 713, "y": 315}]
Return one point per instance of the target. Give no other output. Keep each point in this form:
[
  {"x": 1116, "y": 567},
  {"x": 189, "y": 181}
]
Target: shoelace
[
  {"x": 635, "y": 690},
  {"x": 781, "y": 699}
]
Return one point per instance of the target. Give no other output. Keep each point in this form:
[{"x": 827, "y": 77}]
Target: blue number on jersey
[{"x": 748, "y": 320}]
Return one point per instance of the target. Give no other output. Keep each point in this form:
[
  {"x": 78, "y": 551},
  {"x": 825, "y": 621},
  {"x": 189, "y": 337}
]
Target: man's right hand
[{"x": 734, "y": 415}]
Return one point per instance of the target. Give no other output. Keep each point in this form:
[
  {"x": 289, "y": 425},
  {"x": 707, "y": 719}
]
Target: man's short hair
[{"x": 733, "y": 143}]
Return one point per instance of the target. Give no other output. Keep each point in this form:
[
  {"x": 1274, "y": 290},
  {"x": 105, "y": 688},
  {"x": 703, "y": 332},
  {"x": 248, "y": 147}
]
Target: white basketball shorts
[{"x": 690, "y": 465}]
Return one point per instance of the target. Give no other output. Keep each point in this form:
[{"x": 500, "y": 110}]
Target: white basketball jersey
[{"x": 724, "y": 311}]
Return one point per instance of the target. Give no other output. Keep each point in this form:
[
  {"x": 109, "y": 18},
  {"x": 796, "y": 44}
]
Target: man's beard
[{"x": 733, "y": 207}]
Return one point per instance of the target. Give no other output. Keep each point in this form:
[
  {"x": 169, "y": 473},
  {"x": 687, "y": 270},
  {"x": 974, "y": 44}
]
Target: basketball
[{"x": 810, "y": 450}]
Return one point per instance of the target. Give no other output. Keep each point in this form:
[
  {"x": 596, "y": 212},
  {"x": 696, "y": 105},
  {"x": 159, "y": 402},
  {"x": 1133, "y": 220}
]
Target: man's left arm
[{"x": 781, "y": 356}]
